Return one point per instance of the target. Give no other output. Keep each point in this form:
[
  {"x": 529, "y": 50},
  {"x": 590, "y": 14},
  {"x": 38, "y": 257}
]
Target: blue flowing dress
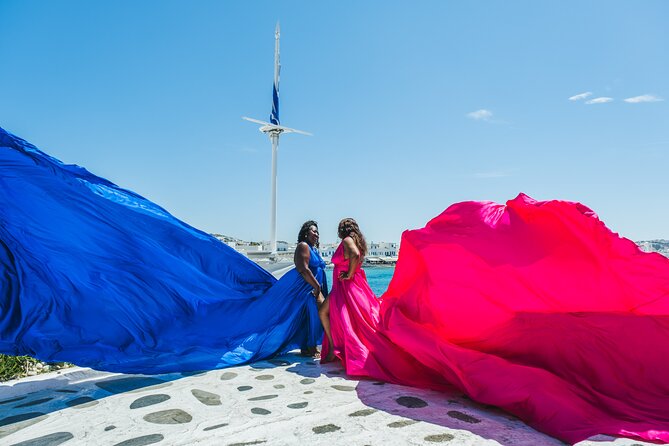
[
  {"x": 99, "y": 276},
  {"x": 292, "y": 286}
]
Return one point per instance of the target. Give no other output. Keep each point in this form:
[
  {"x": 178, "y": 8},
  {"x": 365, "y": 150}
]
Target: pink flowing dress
[{"x": 533, "y": 307}]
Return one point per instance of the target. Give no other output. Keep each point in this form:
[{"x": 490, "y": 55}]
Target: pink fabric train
[{"x": 534, "y": 307}]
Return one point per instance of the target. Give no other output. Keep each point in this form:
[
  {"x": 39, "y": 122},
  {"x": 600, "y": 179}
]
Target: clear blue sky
[{"x": 413, "y": 106}]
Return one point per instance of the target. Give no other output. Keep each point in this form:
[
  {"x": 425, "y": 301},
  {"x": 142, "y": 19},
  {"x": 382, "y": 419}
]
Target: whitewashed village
[{"x": 378, "y": 253}]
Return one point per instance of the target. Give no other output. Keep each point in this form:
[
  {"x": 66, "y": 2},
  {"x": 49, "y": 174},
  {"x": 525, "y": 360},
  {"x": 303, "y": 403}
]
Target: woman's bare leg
[
  {"x": 324, "y": 314},
  {"x": 312, "y": 350}
]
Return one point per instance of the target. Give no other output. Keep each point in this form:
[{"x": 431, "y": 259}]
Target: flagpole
[
  {"x": 274, "y": 136},
  {"x": 273, "y": 129}
]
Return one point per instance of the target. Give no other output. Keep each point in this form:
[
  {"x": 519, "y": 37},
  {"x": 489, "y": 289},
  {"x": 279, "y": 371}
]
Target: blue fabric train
[{"x": 99, "y": 276}]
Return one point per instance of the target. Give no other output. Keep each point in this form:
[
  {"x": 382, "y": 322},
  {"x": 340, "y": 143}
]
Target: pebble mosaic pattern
[
  {"x": 171, "y": 416},
  {"x": 142, "y": 441},
  {"x": 326, "y": 428},
  {"x": 206, "y": 398},
  {"x": 298, "y": 405},
  {"x": 402, "y": 423},
  {"x": 282, "y": 401},
  {"x": 411, "y": 402},
  {"x": 122, "y": 385},
  {"x": 362, "y": 413},
  {"x": 12, "y": 400},
  {"x": 33, "y": 403},
  {"x": 47, "y": 440},
  {"x": 439, "y": 438},
  {"x": 462, "y": 416},
  {"x": 82, "y": 402},
  {"x": 149, "y": 400},
  {"x": 216, "y": 426}
]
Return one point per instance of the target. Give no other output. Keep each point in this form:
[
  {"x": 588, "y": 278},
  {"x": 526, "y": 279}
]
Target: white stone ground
[{"x": 285, "y": 401}]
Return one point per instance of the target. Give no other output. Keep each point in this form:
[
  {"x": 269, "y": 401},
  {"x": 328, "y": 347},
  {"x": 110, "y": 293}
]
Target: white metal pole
[
  {"x": 272, "y": 231},
  {"x": 277, "y": 63}
]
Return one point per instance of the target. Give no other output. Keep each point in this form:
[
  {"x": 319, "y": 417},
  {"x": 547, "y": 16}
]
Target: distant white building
[
  {"x": 382, "y": 249},
  {"x": 282, "y": 246},
  {"x": 377, "y": 252},
  {"x": 327, "y": 250},
  {"x": 248, "y": 247}
]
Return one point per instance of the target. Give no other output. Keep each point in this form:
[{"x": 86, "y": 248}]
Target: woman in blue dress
[
  {"x": 296, "y": 298},
  {"x": 310, "y": 266}
]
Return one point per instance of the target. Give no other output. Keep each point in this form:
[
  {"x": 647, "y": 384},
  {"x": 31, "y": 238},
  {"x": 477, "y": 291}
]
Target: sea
[{"x": 377, "y": 276}]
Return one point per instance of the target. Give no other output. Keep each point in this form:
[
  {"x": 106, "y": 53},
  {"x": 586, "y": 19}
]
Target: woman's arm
[
  {"x": 301, "y": 259},
  {"x": 352, "y": 253}
]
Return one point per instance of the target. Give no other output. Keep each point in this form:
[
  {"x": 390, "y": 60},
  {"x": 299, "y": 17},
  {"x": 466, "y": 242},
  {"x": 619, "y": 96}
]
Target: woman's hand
[
  {"x": 316, "y": 291},
  {"x": 344, "y": 275}
]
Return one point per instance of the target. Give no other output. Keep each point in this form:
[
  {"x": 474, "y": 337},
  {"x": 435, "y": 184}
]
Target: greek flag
[{"x": 274, "y": 116}]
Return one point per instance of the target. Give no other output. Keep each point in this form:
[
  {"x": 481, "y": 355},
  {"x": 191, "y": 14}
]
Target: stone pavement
[{"x": 288, "y": 400}]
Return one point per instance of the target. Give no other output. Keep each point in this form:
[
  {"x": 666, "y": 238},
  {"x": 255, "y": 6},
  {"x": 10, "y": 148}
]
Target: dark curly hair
[
  {"x": 349, "y": 228},
  {"x": 304, "y": 230}
]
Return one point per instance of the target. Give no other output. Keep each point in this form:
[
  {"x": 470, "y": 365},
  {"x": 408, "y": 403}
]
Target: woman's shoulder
[
  {"x": 302, "y": 247},
  {"x": 348, "y": 241},
  {"x": 350, "y": 247}
]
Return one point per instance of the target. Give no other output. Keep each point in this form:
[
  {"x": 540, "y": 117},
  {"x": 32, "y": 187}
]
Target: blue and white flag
[{"x": 274, "y": 116}]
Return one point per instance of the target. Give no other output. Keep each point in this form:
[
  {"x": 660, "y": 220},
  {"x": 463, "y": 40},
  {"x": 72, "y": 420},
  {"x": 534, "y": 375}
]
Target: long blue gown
[
  {"x": 99, "y": 276},
  {"x": 293, "y": 283}
]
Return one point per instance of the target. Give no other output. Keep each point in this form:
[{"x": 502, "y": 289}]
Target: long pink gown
[{"x": 534, "y": 307}]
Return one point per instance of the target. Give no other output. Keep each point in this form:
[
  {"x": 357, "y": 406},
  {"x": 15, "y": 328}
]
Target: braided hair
[
  {"x": 349, "y": 228},
  {"x": 304, "y": 230}
]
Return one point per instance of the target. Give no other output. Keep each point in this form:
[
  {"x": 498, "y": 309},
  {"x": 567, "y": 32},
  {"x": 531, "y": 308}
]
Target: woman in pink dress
[
  {"x": 350, "y": 317},
  {"x": 355, "y": 308}
]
